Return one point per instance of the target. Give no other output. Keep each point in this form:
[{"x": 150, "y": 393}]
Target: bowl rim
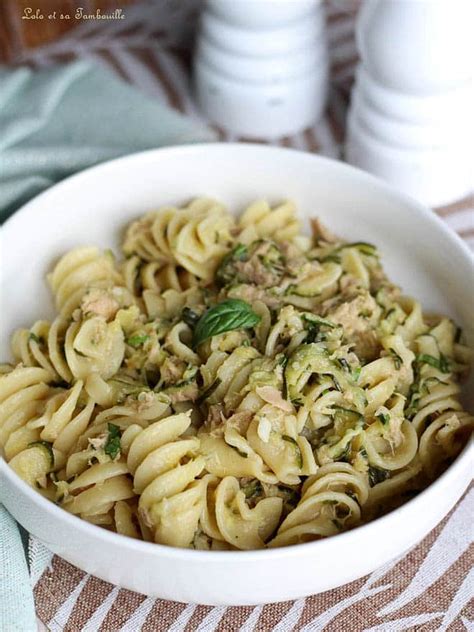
[
  {"x": 149, "y": 154},
  {"x": 97, "y": 532}
]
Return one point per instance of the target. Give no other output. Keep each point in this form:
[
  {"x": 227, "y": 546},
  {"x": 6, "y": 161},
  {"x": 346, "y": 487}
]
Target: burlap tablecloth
[{"x": 430, "y": 588}]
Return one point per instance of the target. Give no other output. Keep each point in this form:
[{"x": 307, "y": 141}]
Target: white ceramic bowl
[{"x": 419, "y": 252}]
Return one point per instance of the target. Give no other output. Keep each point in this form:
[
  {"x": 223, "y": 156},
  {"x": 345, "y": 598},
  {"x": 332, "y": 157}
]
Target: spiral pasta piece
[
  {"x": 94, "y": 346},
  {"x": 23, "y": 397},
  {"x": 194, "y": 237},
  {"x": 132, "y": 414},
  {"x": 444, "y": 439},
  {"x": 71, "y": 349},
  {"x": 233, "y": 456},
  {"x": 93, "y": 494},
  {"x": 226, "y": 374},
  {"x": 389, "y": 373},
  {"x": 327, "y": 505},
  {"x": 413, "y": 324},
  {"x": 274, "y": 435},
  {"x": 227, "y": 516},
  {"x": 65, "y": 418},
  {"x": 76, "y": 272},
  {"x": 165, "y": 468},
  {"x": 28, "y": 346},
  {"x": 155, "y": 276},
  {"x": 127, "y": 520},
  {"x": 388, "y": 492},
  {"x": 170, "y": 303},
  {"x": 261, "y": 220},
  {"x": 391, "y": 442}
]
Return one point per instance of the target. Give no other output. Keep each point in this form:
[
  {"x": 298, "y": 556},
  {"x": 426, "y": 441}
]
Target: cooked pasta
[{"x": 231, "y": 384}]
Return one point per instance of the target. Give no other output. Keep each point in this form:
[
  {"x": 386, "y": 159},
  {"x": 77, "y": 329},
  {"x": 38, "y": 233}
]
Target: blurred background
[
  {"x": 151, "y": 47},
  {"x": 150, "y": 44}
]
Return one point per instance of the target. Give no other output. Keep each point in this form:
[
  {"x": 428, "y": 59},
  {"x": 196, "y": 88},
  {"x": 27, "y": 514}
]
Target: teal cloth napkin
[
  {"x": 58, "y": 121},
  {"x": 17, "y": 609},
  {"x": 53, "y": 123}
]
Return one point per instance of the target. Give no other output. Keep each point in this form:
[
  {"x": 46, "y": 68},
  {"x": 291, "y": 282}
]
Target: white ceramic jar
[
  {"x": 410, "y": 115},
  {"x": 261, "y": 66},
  {"x": 249, "y": 13}
]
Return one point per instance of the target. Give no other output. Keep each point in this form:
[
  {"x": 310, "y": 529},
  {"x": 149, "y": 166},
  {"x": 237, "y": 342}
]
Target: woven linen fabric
[{"x": 431, "y": 587}]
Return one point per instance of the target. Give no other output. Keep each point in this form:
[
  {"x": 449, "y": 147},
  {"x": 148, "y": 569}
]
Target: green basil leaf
[
  {"x": 112, "y": 447},
  {"x": 226, "y": 316},
  {"x": 35, "y": 338}
]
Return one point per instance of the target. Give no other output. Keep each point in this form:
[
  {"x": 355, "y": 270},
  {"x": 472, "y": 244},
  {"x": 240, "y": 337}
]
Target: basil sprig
[{"x": 226, "y": 316}]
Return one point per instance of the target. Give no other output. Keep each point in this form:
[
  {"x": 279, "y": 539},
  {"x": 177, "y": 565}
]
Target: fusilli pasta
[{"x": 231, "y": 384}]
